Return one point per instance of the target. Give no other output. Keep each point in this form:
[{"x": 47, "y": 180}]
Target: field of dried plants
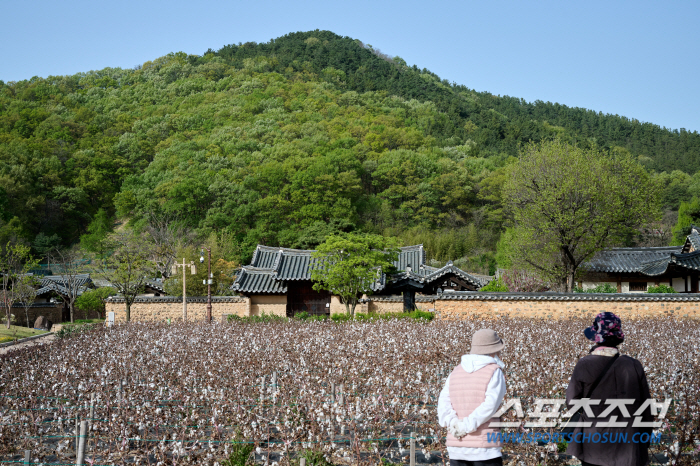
[{"x": 345, "y": 393}]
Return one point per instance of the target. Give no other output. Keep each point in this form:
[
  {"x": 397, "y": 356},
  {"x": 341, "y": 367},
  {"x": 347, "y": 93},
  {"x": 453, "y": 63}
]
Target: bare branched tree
[
  {"x": 166, "y": 234},
  {"x": 128, "y": 267},
  {"x": 71, "y": 280},
  {"x": 15, "y": 262},
  {"x": 26, "y": 291}
]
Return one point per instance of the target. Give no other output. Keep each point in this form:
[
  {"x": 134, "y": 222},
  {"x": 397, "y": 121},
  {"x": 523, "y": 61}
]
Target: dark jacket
[{"x": 625, "y": 379}]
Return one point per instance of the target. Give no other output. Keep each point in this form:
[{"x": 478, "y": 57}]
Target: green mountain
[
  {"x": 496, "y": 124},
  {"x": 283, "y": 143}
]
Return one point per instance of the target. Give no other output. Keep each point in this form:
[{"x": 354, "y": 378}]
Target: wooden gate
[{"x": 301, "y": 297}]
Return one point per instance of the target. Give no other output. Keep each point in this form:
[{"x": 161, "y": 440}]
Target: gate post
[{"x": 409, "y": 301}]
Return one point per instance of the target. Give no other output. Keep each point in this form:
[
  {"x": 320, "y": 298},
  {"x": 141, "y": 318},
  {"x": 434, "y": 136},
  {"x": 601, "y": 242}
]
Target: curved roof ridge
[
  {"x": 255, "y": 255},
  {"x": 645, "y": 248},
  {"x": 451, "y": 268},
  {"x": 253, "y": 269},
  {"x": 279, "y": 248},
  {"x": 278, "y": 262},
  {"x": 686, "y": 255}
]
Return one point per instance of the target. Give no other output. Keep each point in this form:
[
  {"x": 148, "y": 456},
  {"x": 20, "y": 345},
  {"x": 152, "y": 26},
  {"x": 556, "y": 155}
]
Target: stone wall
[
  {"x": 562, "y": 305},
  {"x": 53, "y": 312},
  {"x": 446, "y": 306},
  {"x": 384, "y": 305},
  {"x": 268, "y": 304},
  {"x": 337, "y": 307},
  {"x": 162, "y": 308}
]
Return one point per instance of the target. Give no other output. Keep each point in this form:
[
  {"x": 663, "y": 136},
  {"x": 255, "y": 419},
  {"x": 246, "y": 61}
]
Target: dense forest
[{"x": 285, "y": 142}]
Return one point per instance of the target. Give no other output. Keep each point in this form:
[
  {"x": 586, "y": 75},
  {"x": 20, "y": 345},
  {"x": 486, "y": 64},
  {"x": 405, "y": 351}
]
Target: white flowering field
[{"x": 352, "y": 392}]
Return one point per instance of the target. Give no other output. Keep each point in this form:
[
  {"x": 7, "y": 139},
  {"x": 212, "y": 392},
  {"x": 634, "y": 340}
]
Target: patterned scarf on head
[{"x": 605, "y": 325}]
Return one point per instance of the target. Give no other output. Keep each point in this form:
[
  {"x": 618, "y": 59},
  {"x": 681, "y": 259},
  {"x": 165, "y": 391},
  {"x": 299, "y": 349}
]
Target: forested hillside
[
  {"x": 285, "y": 142},
  {"x": 496, "y": 124}
]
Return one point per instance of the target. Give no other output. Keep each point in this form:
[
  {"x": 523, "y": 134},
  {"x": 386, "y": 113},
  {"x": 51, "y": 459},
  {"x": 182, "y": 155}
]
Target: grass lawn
[
  {"x": 83, "y": 321},
  {"x": 17, "y": 332}
]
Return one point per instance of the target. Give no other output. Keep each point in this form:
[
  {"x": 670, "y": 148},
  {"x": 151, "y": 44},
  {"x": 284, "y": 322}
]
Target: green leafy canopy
[
  {"x": 350, "y": 265},
  {"x": 567, "y": 202}
]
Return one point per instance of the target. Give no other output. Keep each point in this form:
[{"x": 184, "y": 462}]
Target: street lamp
[
  {"x": 184, "y": 266},
  {"x": 208, "y": 281}
]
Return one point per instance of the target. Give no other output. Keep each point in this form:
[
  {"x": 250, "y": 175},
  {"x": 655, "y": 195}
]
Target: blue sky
[{"x": 636, "y": 59}]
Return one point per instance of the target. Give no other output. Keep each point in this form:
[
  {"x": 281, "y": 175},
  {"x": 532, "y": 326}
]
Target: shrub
[
  {"x": 661, "y": 289},
  {"x": 257, "y": 319},
  {"x": 94, "y": 300},
  {"x": 338, "y": 318},
  {"x": 602, "y": 288},
  {"x": 68, "y": 331},
  {"x": 344, "y": 317},
  {"x": 418, "y": 314},
  {"x": 363, "y": 317},
  {"x": 313, "y": 457},
  {"x": 240, "y": 455},
  {"x": 305, "y": 316},
  {"x": 495, "y": 285}
]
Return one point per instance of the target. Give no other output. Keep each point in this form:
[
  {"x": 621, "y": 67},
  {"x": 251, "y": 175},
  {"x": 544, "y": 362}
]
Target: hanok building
[
  {"x": 57, "y": 288},
  {"x": 281, "y": 278},
  {"x": 635, "y": 269}
]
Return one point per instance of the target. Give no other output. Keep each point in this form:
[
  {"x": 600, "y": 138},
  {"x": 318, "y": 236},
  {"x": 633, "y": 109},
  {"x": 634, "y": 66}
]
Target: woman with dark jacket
[{"x": 617, "y": 377}]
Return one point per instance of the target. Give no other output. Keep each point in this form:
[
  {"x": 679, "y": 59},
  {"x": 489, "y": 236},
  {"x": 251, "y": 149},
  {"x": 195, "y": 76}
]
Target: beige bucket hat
[{"x": 486, "y": 341}]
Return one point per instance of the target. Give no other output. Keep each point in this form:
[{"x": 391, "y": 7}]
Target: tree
[
  {"x": 26, "y": 291},
  {"x": 166, "y": 234},
  {"x": 44, "y": 245},
  {"x": 128, "y": 267},
  {"x": 688, "y": 215},
  {"x": 349, "y": 265},
  {"x": 72, "y": 280},
  {"x": 94, "y": 300},
  {"x": 97, "y": 232},
  {"x": 222, "y": 270},
  {"x": 566, "y": 203},
  {"x": 15, "y": 262}
]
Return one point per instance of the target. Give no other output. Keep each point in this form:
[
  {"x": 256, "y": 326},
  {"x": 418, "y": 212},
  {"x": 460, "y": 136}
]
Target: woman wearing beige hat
[{"x": 472, "y": 395}]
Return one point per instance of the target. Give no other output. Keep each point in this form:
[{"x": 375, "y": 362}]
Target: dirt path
[{"x": 27, "y": 344}]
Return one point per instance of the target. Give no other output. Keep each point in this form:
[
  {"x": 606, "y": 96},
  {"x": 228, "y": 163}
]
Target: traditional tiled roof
[
  {"x": 101, "y": 282},
  {"x": 654, "y": 268},
  {"x": 265, "y": 257},
  {"x": 430, "y": 274},
  {"x": 156, "y": 284},
  {"x": 272, "y": 268},
  {"x": 544, "y": 296},
  {"x": 649, "y": 261},
  {"x": 256, "y": 280},
  {"x": 451, "y": 269},
  {"x": 553, "y": 296},
  {"x": 690, "y": 260},
  {"x": 410, "y": 256},
  {"x": 82, "y": 279},
  {"x": 55, "y": 287},
  {"x": 293, "y": 266},
  {"x": 692, "y": 241},
  {"x": 621, "y": 260}
]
